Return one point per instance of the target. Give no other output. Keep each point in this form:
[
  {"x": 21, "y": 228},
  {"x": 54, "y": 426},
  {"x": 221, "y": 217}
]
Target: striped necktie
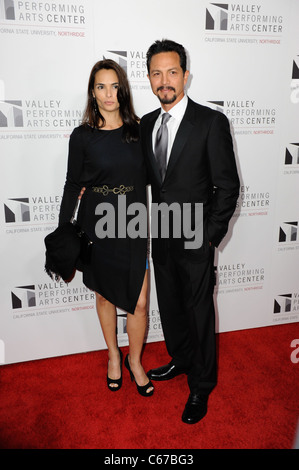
[{"x": 161, "y": 145}]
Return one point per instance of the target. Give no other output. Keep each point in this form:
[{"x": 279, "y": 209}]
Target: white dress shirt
[{"x": 176, "y": 113}]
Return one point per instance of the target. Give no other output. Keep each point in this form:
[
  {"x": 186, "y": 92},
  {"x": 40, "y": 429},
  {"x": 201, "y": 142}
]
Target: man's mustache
[{"x": 167, "y": 88}]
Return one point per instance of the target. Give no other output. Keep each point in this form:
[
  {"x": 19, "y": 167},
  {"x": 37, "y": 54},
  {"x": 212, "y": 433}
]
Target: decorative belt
[{"x": 105, "y": 190}]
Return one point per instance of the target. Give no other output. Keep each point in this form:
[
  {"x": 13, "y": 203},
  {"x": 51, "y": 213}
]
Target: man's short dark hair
[{"x": 166, "y": 45}]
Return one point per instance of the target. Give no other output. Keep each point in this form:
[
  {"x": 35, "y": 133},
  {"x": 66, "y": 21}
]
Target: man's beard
[{"x": 166, "y": 100}]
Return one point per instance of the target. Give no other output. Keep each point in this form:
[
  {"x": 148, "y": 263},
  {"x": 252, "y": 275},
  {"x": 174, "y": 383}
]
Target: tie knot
[{"x": 165, "y": 118}]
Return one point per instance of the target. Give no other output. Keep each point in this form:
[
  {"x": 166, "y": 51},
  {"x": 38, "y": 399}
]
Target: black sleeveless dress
[{"x": 99, "y": 159}]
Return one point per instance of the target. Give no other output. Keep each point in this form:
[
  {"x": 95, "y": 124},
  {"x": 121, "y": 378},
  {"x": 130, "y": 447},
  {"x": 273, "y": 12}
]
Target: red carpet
[{"x": 64, "y": 403}]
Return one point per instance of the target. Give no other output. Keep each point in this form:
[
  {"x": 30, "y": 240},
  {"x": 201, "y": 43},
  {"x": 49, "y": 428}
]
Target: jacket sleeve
[
  {"x": 224, "y": 176},
  {"x": 73, "y": 183}
]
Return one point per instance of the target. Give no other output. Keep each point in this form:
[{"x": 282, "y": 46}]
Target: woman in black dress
[{"x": 105, "y": 159}]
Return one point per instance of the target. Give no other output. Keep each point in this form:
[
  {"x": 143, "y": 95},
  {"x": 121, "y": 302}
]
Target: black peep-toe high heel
[
  {"x": 142, "y": 389},
  {"x": 117, "y": 382}
]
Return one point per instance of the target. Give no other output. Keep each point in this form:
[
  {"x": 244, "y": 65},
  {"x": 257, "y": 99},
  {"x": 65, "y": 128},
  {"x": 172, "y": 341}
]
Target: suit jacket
[{"x": 201, "y": 169}]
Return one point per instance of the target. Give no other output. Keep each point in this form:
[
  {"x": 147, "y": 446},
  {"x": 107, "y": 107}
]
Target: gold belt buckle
[{"x": 105, "y": 190}]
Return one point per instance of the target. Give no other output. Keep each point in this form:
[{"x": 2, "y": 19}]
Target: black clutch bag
[{"x": 68, "y": 248}]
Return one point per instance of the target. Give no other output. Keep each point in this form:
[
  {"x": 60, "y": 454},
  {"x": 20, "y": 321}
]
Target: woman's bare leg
[
  {"x": 108, "y": 319},
  {"x": 136, "y": 328}
]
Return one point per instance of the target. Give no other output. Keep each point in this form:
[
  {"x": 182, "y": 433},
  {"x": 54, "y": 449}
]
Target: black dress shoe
[
  {"x": 166, "y": 372},
  {"x": 196, "y": 408}
]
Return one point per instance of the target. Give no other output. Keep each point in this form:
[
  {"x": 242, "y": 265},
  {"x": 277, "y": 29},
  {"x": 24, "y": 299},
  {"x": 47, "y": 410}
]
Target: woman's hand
[{"x": 81, "y": 193}]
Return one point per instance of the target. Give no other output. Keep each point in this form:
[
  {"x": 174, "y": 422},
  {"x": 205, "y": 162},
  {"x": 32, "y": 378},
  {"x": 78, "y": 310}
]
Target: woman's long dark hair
[{"x": 92, "y": 115}]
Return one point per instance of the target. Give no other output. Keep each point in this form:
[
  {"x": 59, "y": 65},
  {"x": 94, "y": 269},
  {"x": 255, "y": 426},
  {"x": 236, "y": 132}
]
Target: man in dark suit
[{"x": 200, "y": 168}]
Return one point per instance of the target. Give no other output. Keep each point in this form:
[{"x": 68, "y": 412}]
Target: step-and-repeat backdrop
[{"x": 243, "y": 60}]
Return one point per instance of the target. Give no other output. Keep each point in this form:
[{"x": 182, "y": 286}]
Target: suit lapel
[
  {"x": 181, "y": 138},
  {"x": 149, "y": 144}
]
